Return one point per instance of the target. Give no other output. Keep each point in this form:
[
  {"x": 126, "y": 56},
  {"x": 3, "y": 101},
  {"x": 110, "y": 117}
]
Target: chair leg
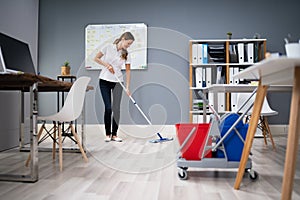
[
  {"x": 79, "y": 144},
  {"x": 54, "y": 141},
  {"x": 60, "y": 147},
  {"x": 38, "y": 137},
  {"x": 266, "y": 124},
  {"x": 263, "y": 129}
]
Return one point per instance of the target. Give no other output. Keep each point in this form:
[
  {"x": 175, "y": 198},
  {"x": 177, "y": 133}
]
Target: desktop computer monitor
[{"x": 16, "y": 54}]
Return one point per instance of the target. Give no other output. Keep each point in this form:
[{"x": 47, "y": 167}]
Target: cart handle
[
  {"x": 244, "y": 104},
  {"x": 230, "y": 129}
]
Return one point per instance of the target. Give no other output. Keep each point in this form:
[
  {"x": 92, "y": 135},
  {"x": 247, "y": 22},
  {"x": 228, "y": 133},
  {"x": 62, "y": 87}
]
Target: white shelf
[
  {"x": 221, "y": 64},
  {"x": 197, "y": 88},
  {"x": 199, "y": 112},
  {"x": 229, "y": 40}
]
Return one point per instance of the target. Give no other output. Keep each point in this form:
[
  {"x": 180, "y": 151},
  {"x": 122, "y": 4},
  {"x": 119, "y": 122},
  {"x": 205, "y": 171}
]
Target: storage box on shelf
[{"x": 216, "y": 61}]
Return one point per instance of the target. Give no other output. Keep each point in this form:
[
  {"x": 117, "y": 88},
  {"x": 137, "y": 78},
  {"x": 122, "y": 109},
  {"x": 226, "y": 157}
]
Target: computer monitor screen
[
  {"x": 2, "y": 64},
  {"x": 16, "y": 54}
]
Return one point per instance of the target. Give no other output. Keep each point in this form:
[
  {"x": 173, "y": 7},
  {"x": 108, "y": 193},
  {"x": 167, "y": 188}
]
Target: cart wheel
[
  {"x": 253, "y": 175},
  {"x": 182, "y": 174}
]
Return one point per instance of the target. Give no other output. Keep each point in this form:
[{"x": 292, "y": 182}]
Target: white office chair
[
  {"x": 266, "y": 111},
  {"x": 70, "y": 111}
]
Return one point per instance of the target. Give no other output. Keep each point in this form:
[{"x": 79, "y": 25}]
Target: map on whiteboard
[{"x": 96, "y": 36}]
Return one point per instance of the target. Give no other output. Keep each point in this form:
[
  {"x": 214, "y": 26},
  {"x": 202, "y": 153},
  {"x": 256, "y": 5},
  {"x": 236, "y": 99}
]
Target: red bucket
[{"x": 193, "y": 149}]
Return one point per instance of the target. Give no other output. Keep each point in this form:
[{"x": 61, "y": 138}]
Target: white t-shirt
[{"x": 112, "y": 56}]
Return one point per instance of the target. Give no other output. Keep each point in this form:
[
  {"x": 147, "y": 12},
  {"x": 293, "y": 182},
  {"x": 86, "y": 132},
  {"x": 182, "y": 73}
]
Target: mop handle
[
  {"x": 133, "y": 101},
  {"x": 207, "y": 103}
]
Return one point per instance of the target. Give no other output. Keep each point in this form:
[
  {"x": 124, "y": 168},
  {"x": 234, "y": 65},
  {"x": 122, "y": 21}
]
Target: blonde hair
[{"x": 125, "y": 36}]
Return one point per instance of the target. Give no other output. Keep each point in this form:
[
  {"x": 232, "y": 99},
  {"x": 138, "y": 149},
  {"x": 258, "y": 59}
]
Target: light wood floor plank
[{"x": 136, "y": 169}]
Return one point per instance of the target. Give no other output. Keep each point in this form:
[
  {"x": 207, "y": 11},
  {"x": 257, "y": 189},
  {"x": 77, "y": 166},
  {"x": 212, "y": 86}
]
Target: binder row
[
  {"x": 199, "y": 54},
  {"x": 206, "y": 76},
  {"x": 243, "y": 53},
  {"x": 203, "y": 76}
]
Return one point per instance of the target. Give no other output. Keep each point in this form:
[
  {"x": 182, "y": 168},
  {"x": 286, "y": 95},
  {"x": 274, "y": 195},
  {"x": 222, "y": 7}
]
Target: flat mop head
[{"x": 161, "y": 139}]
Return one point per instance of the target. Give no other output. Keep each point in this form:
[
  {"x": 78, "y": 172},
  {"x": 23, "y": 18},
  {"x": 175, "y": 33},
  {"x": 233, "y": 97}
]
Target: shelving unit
[{"x": 215, "y": 61}]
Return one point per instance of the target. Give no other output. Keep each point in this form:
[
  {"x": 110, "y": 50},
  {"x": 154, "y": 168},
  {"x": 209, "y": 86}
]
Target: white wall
[{"x": 62, "y": 38}]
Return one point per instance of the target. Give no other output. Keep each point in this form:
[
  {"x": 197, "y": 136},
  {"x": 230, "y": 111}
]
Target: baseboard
[{"x": 279, "y": 129}]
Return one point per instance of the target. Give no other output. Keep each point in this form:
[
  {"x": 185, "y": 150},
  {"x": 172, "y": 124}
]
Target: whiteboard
[{"x": 98, "y": 35}]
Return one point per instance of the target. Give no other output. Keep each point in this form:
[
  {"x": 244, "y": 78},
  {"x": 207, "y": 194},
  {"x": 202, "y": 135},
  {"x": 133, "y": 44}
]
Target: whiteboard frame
[{"x": 98, "y": 35}]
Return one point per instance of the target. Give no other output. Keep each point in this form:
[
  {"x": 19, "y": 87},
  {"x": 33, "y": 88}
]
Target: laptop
[
  {"x": 16, "y": 56},
  {"x": 3, "y": 69}
]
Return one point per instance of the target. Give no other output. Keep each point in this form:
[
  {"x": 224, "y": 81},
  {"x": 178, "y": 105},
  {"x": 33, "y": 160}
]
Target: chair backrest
[
  {"x": 266, "y": 110},
  {"x": 74, "y": 102}
]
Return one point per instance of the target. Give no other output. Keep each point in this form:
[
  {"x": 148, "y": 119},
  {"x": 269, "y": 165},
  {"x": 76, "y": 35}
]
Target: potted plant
[
  {"x": 229, "y": 35},
  {"x": 65, "y": 69}
]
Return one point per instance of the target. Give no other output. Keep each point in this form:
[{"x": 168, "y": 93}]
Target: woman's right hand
[{"x": 128, "y": 92}]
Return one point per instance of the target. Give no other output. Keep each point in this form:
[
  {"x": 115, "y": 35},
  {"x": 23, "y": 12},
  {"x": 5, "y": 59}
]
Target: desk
[
  {"x": 275, "y": 71},
  {"x": 30, "y": 83},
  {"x": 231, "y": 88}
]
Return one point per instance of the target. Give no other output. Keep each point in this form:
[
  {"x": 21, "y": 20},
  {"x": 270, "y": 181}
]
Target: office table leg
[
  {"x": 33, "y": 133},
  {"x": 293, "y": 139},
  {"x": 22, "y": 121},
  {"x": 33, "y": 176},
  {"x": 260, "y": 95}
]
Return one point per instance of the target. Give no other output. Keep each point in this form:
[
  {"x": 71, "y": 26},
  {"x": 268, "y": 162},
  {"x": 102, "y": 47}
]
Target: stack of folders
[
  {"x": 198, "y": 104},
  {"x": 216, "y": 53},
  {"x": 199, "y": 54}
]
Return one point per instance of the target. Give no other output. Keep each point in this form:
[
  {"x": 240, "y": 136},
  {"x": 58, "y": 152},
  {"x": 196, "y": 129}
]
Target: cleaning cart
[{"x": 218, "y": 144}]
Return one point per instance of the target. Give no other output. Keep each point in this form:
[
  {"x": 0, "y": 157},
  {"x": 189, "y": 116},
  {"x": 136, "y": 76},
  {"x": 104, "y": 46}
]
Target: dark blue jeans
[{"x": 111, "y": 94}]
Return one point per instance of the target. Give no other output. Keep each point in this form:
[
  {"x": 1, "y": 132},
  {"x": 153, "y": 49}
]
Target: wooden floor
[{"x": 136, "y": 169}]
